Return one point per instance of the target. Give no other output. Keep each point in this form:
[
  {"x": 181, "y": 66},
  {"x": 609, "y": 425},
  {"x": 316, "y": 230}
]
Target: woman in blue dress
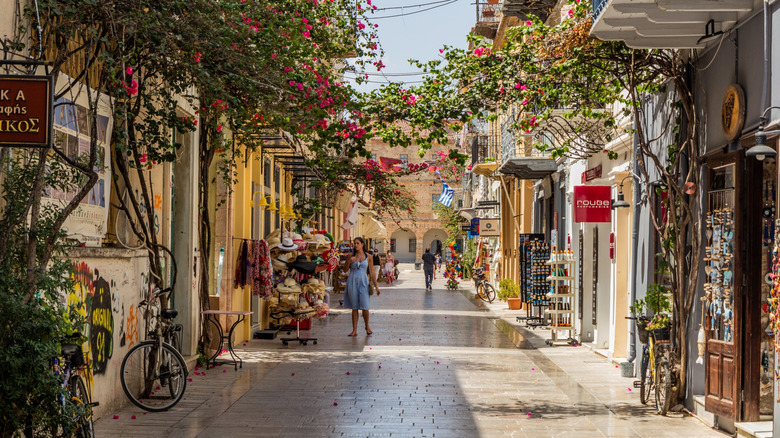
[{"x": 356, "y": 292}]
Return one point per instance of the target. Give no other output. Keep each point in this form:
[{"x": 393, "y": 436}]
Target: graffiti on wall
[{"x": 91, "y": 297}]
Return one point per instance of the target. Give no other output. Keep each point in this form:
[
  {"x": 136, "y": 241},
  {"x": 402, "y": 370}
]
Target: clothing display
[{"x": 262, "y": 273}]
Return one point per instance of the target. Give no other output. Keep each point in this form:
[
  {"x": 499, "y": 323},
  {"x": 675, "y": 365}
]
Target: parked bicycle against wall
[
  {"x": 485, "y": 291},
  {"x": 76, "y": 400},
  {"x": 655, "y": 372},
  {"x": 153, "y": 373}
]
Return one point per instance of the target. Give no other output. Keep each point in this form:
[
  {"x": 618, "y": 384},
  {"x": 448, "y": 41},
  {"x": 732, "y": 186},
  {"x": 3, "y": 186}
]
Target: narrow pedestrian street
[{"x": 439, "y": 364}]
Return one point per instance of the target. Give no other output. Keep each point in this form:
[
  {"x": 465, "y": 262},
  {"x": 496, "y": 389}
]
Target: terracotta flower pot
[{"x": 515, "y": 303}]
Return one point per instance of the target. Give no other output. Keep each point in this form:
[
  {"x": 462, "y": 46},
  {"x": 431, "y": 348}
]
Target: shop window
[
  {"x": 267, "y": 173},
  {"x": 404, "y": 158},
  {"x": 435, "y": 199},
  {"x": 392, "y": 245},
  {"x": 277, "y": 177},
  {"x": 459, "y": 204},
  {"x": 373, "y": 157},
  {"x": 266, "y": 223},
  {"x": 412, "y": 245}
]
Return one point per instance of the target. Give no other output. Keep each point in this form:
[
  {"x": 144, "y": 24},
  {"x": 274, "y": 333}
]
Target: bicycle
[
  {"x": 153, "y": 373},
  {"x": 77, "y": 402},
  {"x": 485, "y": 291},
  {"x": 656, "y": 375}
]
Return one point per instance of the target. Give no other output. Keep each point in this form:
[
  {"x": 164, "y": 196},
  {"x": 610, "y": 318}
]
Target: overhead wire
[
  {"x": 411, "y": 6},
  {"x": 449, "y": 2}
]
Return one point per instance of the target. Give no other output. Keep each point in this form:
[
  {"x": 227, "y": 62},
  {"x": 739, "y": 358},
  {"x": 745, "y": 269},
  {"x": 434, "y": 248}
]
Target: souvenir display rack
[
  {"x": 534, "y": 252},
  {"x": 718, "y": 266},
  {"x": 561, "y": 296}
]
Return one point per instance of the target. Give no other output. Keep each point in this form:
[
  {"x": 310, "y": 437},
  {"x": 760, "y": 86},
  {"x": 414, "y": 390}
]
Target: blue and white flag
[{"x": 447, "y": 193}]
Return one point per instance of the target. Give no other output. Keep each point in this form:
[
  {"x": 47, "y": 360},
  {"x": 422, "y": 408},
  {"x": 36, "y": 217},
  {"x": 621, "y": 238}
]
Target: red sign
[
  {"x": 591, "y": 174},
  {"x": 592, "y": 203},
  {"x": 25, "y": 111},
  {"x": 612, "y": 246}
]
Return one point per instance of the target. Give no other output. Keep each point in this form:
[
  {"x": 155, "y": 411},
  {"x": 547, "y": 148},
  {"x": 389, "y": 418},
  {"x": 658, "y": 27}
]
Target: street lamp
[
  {"x": 761, "y": 150},
  {"x": 621, "y": 202}
]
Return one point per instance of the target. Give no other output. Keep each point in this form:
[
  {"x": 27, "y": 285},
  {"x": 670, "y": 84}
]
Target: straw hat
[
  {"x": 308, "y": 237},
  {"x": 287, "y": 245},
  {"x": 273, "y": 242},
  {"x": 272, "y": 234}
]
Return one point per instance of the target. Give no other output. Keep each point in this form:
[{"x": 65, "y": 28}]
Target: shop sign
[
  {"x": 475, "y": 226},
  {"x": 25, "y": 111},
  {"x": 612, "y": 246},
  {"x": 465, "y": 228},
  {"x": 732, "y": 112},
  {"x": 489, "y": 228},
  {"x": 591, "y": 174},
  {"x": 592, "y": 204}
]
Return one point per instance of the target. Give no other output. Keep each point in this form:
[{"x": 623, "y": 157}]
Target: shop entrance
[{"x": 735, "y": 263}]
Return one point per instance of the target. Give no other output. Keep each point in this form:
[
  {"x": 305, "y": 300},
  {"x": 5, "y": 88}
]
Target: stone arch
[
  {"x": 432, "y": 236},
  {"x": 402, "y": 237}
]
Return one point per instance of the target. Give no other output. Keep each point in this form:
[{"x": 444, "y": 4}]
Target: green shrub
[{"x": 508, "y": 289}]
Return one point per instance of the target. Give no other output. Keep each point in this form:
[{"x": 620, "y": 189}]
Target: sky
[{"x": 417, "y": 33}]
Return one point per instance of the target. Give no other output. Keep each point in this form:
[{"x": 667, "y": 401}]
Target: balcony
[
  {"x": 488, "y": 18},
  {"x": 522, "y": 9},
  {"x": 665, "y": 24},
  {"x": 483, "y": 159},
  {"x": 520, "y": 158}
]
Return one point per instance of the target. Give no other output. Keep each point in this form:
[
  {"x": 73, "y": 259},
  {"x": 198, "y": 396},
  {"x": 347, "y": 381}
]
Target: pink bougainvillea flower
[
  {"x": 571, "y": 13},
  {"x": 347, "y": 372},
  {"x": 292, "y": 374},
  {"x": 335, "y": 404},
  {"x": 528, "y": 415},
  {"x": 142, "y": 159},
  {"x": 273, "y": 56},
  {"x": 129, "y": 70},
  {"x": 190, "y": 379},
  {"x": 219, "y": 128},
  {"x": 224, "y": 371},
  {"x": 197, "y": 56},
  {"x": 529, "y": 22},
  {"x": 533, "y": 369},
  {"x": 133, "y": 417}
]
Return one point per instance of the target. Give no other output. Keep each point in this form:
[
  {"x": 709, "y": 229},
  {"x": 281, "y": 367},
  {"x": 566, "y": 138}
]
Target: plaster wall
[{"x": 108, "y": 286}]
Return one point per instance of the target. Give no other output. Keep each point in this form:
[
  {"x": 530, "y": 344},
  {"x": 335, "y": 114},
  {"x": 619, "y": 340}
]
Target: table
[{"x": 211, "y": 315}]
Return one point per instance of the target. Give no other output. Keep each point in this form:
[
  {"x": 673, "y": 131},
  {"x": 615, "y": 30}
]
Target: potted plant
[
  {"x": 657, "y": 301},
  {"x": 509, "y": 291},
  {"x": 638, "y": 311}
]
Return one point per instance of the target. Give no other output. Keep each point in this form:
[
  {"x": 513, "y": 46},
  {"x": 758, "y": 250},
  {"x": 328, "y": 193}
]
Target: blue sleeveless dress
[{"x": 356, "y": 291}]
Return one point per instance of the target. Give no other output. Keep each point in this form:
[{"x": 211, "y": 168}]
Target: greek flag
[{"x": 447, "y": 193}]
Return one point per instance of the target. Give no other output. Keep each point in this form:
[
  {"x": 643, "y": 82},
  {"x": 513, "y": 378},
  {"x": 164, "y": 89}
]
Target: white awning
[{"x": 371, "y": 228}]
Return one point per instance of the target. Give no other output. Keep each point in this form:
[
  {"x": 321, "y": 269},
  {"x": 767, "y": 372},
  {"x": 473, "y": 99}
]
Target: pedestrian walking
[
  {"x": 356, "y": 291},
  {"x": 390, "y": 267},
  {"x": 377, "y": 264},
  {"x": 428, "y": 262}
]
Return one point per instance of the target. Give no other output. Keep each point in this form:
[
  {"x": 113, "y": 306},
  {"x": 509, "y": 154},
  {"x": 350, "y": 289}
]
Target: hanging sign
[
  {"x": 592, "y": 204},
  {"x": 489, "y": 228},
  {"x": 25, "y": 111},
  {"x": 591, "y": 174},
  {"x": 475, "y": 226}
]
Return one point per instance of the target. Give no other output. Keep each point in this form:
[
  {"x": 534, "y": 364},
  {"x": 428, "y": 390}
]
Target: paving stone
[{"x": 439, "y": 364}]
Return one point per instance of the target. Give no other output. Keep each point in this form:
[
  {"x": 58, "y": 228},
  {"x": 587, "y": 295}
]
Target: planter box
[{"x": 515, "y": 303}]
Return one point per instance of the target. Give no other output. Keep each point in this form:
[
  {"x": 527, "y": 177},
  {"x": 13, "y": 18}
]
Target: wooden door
[{"x": 720, "y": 381}]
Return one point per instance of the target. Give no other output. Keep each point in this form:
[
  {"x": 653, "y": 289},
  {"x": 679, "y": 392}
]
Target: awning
[
  {"x": 371, "y": 228},
  {"x": 529, "y": 167},
  {"x": 467, "y": 213}
]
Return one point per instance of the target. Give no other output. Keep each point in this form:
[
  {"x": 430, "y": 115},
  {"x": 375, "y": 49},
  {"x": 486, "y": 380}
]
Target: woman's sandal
[
  {"x": 369, "y": 333},
  {"x": 352, "y": 335}
]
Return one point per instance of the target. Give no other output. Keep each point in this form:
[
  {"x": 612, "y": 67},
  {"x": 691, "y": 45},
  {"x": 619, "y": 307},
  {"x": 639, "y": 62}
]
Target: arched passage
[
  {"x": 434, "y": 239},
  {"x": 404, "y": 243}
]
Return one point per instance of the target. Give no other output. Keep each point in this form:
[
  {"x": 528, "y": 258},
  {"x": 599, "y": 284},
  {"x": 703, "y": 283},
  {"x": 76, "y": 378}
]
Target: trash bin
[{"x": 417, "y": 266}]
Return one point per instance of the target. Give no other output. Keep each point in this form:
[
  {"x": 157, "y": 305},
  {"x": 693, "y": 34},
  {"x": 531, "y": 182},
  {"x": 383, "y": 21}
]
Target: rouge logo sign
[
  {"x": 592, "y": 203},
  {"x": 25, "y": 111}
]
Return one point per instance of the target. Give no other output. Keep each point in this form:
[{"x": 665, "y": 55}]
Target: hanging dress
[{"x": 356, "y": 292}]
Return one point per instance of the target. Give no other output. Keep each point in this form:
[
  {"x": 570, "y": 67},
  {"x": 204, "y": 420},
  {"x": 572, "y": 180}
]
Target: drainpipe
[{"x": 634, "y": 247}]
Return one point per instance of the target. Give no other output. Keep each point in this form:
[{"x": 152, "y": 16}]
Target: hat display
[
  {"x": 273, "y": 242},
  {"x": 280, "y": 263},
  {"x": 303, "y": 265},
  {"x": 308, "y": 238},
  {"x": 321, "y": 240},
  {"x": 272, "y": 234},
  {"x": 287, "y": 245}
]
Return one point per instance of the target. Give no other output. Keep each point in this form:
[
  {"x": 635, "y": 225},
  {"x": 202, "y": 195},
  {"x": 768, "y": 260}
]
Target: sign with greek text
[
  {"x": 25, "y": 111},
  {"x": 592, "y": 204}
]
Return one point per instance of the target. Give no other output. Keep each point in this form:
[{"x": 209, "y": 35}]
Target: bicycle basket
[
  {"x": 662, "y": 334},
  {"x": 644, "y": 336}
]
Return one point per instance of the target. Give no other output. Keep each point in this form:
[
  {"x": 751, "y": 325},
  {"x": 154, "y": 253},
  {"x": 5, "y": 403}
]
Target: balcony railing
[
  {"x": 488, "y": 17},
  {"x": 598, "y": 8}
]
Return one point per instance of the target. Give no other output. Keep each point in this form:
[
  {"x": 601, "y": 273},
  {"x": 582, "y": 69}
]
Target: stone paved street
[{"x": 438, "y": 365}]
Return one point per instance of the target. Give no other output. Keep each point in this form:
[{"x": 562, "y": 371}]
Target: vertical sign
[
  {"x": 595, "y": 274},
  {"x": 475, "y": 226},
  {"x": 580, "y": 284},
  {"x": 26, "y": 111}
]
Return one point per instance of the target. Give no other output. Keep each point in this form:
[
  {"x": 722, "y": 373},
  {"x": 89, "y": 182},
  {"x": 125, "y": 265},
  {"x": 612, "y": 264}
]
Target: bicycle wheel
[
  {"x": 489, "y": 292},
  {"x": 646, "y": 381},
  {"x": 663, "y": 386},
  {"x": 80, "y": 398},
  {"x": 153, "y": 383}
]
